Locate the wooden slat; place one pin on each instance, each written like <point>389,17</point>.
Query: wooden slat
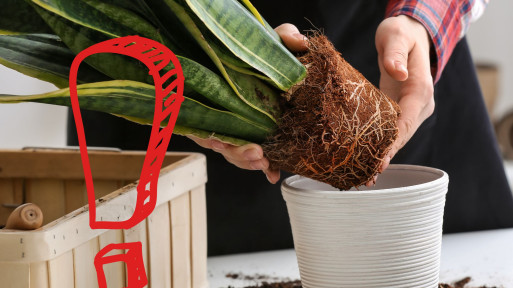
<point>105,187</point>
<point>39,275</point>
<point>66,164</point>
<point>199,237</point>
<point>11,194</point>
<point>115,273</point>
<point>49,195</point>
<point>6,197</point>
<point>60,271</point>
<point>76,194</point>
<point>127,182</point>
<point>14,275</point>
<point>159,234</point>
<point>19,190</point>
<point>138,233</point>
<point>83,257</point>
<point>181,241</point>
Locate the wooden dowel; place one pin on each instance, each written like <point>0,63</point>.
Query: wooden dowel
<point>26,217</point>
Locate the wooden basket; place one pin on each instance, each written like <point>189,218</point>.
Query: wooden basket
<point>61,253</point>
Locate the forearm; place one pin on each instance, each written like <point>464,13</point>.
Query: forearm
<point>445,20</point>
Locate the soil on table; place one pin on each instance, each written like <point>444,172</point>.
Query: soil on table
<point>462,284</point>
<point>289,284</point>
<point>297,284</point>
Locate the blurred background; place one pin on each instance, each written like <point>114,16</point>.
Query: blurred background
<point>23,125</point>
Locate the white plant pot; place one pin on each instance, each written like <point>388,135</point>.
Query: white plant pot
<point>388,235</point>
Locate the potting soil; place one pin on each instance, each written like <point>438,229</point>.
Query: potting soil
<point>297,284</point>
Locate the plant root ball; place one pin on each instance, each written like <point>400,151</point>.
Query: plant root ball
<point>336,126</point>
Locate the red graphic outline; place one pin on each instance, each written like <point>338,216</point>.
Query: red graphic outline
<point>155,56</point>
<point>136,275</point>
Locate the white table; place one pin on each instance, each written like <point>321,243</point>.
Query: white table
<point>486,256</point>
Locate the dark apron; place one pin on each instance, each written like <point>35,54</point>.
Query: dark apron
<point>246,213</point>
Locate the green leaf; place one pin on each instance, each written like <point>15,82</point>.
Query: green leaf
<point>111,20</point>
<point>256,92</point>
<point>224,54</point>
<point>18,17</point>
<point>118,18</point>
<point>45,57</point>
<point>260,19</point>
<point>197,77</point>
<point>241,32</point>
<point>78,38</point>
<point>174,29</point>
<point>216,89</point>
<point>231,78</point>
<point>135,99</point>
<point>182,130</point>
<point>138,6</point>
<point>188,131</point>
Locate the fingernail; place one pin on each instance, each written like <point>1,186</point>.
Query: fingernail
<point>400,67</point>
<point>385,164</point>
<point>299,36</point>
<point>268,179</point>
<point>216,145</point>
<point>271,180</point>
<point>252,155</point>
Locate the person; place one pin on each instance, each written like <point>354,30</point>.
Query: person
<point>415,53</point>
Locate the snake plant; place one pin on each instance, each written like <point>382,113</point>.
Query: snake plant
<point>234,64</point>
<point>335,127</point>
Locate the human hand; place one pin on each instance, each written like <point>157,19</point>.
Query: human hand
<point>251,156</point>
<point>403,56</point>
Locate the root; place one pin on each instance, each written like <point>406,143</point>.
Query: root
<point>336,126</point>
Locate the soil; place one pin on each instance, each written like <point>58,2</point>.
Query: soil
<point>297,284</point>
<point>336,126</point>
<point>462,284</point>
<point>290,284</point>
<point>259,277</point>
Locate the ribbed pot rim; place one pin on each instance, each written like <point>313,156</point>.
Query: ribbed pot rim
<point>438,178</point>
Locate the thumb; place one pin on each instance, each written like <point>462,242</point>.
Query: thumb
<point>394,52</point>
<point>291,37</point>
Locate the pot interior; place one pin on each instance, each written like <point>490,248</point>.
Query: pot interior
<point>396,176</point>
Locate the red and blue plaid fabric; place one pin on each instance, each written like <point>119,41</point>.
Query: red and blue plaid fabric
<point>445,20</point>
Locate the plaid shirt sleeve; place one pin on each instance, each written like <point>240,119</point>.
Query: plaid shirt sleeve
<point>445,20</point>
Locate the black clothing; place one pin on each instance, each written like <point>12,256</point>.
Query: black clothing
<point>246,213</point>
